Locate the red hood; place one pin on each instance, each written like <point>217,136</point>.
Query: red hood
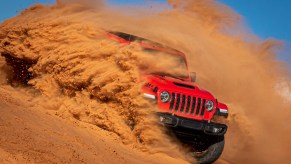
<point>178,85</point>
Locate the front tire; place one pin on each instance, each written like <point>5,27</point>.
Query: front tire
<point>211,154</point>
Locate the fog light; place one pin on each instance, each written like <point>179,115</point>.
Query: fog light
<point>166,120</point>
<point>216,130</point>
<point>211,129</point>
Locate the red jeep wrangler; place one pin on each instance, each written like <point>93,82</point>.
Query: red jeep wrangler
<point>185,109</point>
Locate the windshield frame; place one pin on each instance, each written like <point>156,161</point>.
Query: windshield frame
<point>183,57</point>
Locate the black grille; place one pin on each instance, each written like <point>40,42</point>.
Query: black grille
<point>173,97</point>
<point>187,104</point>
<point>177,102</point>
<point>203,107</point>
<point>183,103</point>
<point>193,105</point>
<point>198,106</point>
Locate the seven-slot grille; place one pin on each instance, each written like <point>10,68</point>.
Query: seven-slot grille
<point>187,104</point>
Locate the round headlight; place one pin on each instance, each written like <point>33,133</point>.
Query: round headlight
<point>165,96</point>
<point>209,105</point>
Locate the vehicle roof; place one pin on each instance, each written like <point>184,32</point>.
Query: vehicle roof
<point>145,43</point>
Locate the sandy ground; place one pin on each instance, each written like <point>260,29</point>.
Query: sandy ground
<point>31,135</point>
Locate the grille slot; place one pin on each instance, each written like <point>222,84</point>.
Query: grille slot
<point>198,106</point>
<point>193,105</point>
<point>172,101</point>
<point>177,102</point>
<point>183,103</point>
<point>203,108</point>
<point>190,105</point>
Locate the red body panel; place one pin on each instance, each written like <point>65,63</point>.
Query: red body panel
<point>187,95</point>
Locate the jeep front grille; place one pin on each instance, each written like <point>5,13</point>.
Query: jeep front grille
<point>187,104</point>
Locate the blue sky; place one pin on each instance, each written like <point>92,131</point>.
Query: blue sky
<point>265,18</point>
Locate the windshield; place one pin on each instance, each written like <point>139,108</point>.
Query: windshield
<point>165,64</point>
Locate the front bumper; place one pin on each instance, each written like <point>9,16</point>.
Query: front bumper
<point>192,125</point>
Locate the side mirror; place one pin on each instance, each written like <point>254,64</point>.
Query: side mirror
<point>193,76</point>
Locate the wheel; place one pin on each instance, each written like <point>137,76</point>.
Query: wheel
<point>209,154</point>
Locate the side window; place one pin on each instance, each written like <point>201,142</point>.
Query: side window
<point>125,36</point>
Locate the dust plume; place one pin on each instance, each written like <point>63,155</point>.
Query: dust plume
<point>81,74</point>
<point>243,74</point>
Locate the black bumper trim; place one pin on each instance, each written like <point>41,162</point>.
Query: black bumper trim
<point>203,126</point>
